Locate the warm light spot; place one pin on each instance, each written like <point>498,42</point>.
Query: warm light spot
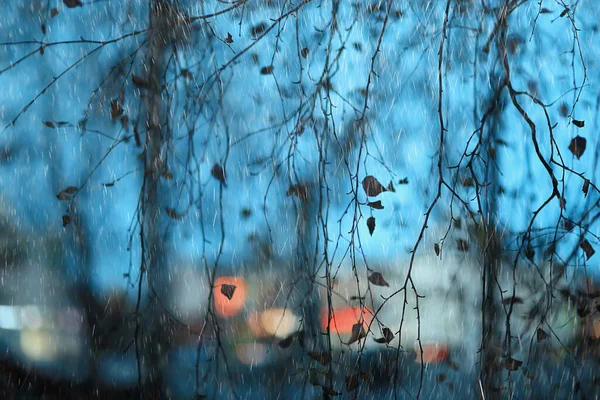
<point>433,353</point>
<point>279,322</point>
<point>251,353</point>
<point>224,306</point>
<point>38,345</point>
<point>343,318</point>
<point>255,325</point>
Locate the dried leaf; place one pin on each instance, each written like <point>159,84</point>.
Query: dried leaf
<point>436,248</point>
<point>218,173</point>
<point>564,12</point>
<point>229,38</point>
<point>43,27</point>
<point>304,52</point>
<point>586,187</point>
<point>587,248</point>
<point>541,335</point>
<point>391,187</point>
<point>511,364</point>
<point>371,225</point>
<point>512,300</point>
<point>377,279</point>
<point>579,124</point>
<point>372,187</point>
<point>544,10</point>
<point>187,74</point>
<point>268,70</point>
<point>139,82</point>
<point>403,181</point>
<point>298,190</point>
<point>258,29</point>
<point>358,332</point>
<point>529,252</point>
<point>115,109</point>
<point>67,193</point>
<point>321,357</point>
<point>53,12</point>
<point>352,382</point>
<point>66,220</point>
<point>173,214</point>
<point>375,204</point>
<point>287,342</point>
<point>228,290</point>
<point>462,245</point>
<point>49,124</point>
<point>577,146</point>
<point>73,3</point>
<point>388,336</point>
<point>467,182</point>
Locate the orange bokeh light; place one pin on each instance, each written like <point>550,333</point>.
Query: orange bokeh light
<point>433,353</point>
<point>223,306</point>
<point>344,318</point>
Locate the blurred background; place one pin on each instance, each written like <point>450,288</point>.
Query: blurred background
<point>267,199</point>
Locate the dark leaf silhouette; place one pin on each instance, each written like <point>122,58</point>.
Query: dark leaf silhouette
<point>586,187</point>
<point>54,12</point>
<point>577,146</point>
<point>115,109</point>
<point>67,193</point>
<point>139,82</point>
<point>391,187</point>
<point>372,187</point>
<point>512,300</point>
<point>173,214</point>
<point>587,248</point>
<point>304,52</point>
<point>511,364</point>
<point>529,253</point>
<point>258,29</point>
<point>66,220</point>
<point>352,382</point>
<point>375,204</point>
<point>321,357</point>
<point>229,38</point>
<point>403,181</point>
<point>228,290</point>
<point>287,342</point>
<point>218,173</point>
<point>388,336</point>
<point>541,335</point>
<point>462,245</point>
<point>377,279</point>
<point>564,12</point>
<point>579,124</point>
<point>371,225</point>
<point>49,124</point>
<point>72,3</point>
<point>358,332</point>
<point>298,190</point>
<point>467,182</point>
<point>268,70</point>
<point>436,248</point>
